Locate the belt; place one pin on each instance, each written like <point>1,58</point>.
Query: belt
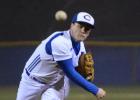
<point>35,79</point>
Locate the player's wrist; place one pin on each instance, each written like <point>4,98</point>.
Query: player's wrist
<point>97,90</point>
<point>94,90</point>
<point>100,94</point>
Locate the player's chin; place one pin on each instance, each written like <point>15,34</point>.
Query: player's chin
<point>83,38</point>
<point>80,39</point>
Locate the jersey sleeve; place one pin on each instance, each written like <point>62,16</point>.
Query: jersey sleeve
<point>61,49</point>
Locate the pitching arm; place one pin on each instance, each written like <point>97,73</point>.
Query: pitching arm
<point>70,71</point>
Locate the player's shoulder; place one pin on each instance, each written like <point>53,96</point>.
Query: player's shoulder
<point>61,37</point>
<point>62,40</point>
<point>53,36</point>
<point>57,38</point>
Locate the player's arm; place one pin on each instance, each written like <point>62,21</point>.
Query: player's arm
<point>70,71</point>
<point>62,52</point>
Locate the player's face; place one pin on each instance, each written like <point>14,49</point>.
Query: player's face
<point>80,31</point>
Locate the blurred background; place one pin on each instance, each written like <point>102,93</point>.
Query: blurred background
<point>115,42</point>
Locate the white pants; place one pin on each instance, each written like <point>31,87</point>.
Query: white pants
<point>30,89</point>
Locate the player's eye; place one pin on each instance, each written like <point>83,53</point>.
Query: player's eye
<point>86,27</point>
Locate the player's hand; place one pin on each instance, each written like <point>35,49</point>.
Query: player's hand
<point>100,94</point>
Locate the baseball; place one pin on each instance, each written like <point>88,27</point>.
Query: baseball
<point>61,15</point>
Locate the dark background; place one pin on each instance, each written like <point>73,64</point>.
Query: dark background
<point>115,20</point>
<point>34,19</point>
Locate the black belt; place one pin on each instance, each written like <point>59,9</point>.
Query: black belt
<point>35,79</point>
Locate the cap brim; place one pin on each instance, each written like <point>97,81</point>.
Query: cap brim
<point>87,24</point>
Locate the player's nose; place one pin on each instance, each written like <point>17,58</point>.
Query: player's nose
<point>83,29</point>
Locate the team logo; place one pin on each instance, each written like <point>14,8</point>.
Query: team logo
<point>87,17</point>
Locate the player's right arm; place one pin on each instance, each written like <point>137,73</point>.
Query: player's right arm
<point>62,54</point>
<point>70,71</point>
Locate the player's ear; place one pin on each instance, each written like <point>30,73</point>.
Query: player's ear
<point>71,24</point>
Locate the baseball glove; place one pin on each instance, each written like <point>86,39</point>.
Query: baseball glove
<point>86,66</point>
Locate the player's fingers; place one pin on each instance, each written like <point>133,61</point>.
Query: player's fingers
<point>101,93</point>
<point>99,98</point>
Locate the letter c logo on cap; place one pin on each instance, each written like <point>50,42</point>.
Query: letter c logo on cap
<point>87,17</point>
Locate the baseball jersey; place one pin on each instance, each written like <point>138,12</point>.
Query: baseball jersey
<point>57,47</point>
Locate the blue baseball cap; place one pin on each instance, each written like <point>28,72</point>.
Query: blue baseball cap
<point>84,17</point>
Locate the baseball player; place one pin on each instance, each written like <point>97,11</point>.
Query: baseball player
<point>47,72</point>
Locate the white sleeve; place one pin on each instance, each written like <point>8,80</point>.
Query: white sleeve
<point>61,49</point>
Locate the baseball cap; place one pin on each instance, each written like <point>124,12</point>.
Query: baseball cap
<point>84,17</point>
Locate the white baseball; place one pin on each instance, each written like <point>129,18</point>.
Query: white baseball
<point>61,15</point>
